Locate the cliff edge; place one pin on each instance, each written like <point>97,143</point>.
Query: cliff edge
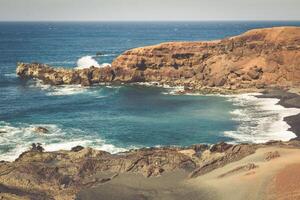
<point>255,59</point>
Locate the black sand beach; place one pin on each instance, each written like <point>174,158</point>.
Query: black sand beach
<point>288,100</point>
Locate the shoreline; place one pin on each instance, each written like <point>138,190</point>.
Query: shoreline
<point>199,170</point>
<point>247,63</point>
<point>287,100</point>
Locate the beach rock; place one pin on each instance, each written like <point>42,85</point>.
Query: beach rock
<point>220,147</point>
<point>77,148</point>
<point>99,53</point>
<point>37,147</point>
<point>252,60</point>
<point>41,129</point>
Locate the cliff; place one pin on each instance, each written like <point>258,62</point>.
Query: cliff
<point>255,59</point>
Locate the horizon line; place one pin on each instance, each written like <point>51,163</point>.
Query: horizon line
<point>212,20</point>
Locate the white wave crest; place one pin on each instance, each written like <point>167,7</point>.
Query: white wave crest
<point>178,90</point>
<point>66,90</point>
<point>89,61</point>
<point>261,119</point>
<point>11,75</point>
<point>14,140</point>
<point>95,143</point>
<point>60,90</point>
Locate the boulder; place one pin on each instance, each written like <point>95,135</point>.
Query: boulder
<point>77,148</point>
<point>41,129</point>
<point>37,147</point>
<point>220,147</point>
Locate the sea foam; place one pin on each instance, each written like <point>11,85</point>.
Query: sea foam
<point>169,90</point>
<point>260,119</point>
<point>89,61</point>
<point>61,90</point>
<point>15,139</point>
<point>66,90</point>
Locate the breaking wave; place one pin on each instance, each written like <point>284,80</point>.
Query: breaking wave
<point>89,61</point>
<point>15,139</point>
<point>66,90</point>
<point>169,90</point>
<point>260,119</point>
<point>61,90</point>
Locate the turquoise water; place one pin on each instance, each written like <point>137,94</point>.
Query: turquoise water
<point>112,118</point>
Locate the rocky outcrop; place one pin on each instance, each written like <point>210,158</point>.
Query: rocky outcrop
<point>60,76</point>
<point>60,175</point>
<point>41,130</point>
<point>255,59</point>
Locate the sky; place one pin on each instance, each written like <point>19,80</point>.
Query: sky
<point>148,10</point>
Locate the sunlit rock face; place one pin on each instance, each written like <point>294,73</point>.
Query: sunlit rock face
<point>255,59</point>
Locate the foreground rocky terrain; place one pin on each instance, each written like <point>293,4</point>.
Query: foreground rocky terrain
<point>255,59</point>
<point>62,174</point>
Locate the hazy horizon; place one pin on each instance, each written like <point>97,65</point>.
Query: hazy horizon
<point>155,10</point>
<point>245,20</point>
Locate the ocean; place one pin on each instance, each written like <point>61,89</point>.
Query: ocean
<point>120,117</point>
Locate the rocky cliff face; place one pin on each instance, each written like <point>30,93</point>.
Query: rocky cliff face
<point>255,59</point>
<point>60,76</point>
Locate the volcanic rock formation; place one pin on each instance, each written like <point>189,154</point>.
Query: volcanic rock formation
<point>255,59</point>
<point>61,174</point>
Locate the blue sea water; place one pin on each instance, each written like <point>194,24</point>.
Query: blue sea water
<point>116,118</point>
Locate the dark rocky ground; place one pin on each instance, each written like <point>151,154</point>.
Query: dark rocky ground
<point>72,174</point>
